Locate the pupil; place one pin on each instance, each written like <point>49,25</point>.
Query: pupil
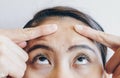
<point>81,58</point>
<point>42,58</point>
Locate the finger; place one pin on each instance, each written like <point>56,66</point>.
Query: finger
<point>116,73</point>
<point>116,76</point>
<point>12,56</point>
<point>8,47</point>
<point>20,35</point>
<point>22,44</point>
<point>114,62</point>
<point>14,71</point>
<point>102,37</point>
<point>3,75</point>
<point>3,71</point>
<point>12,66</point>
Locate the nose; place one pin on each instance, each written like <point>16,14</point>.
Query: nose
<point>61,74</point>
<point>62,71</point>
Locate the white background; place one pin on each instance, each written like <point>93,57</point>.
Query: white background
<point>16,13</point>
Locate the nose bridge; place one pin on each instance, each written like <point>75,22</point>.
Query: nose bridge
<point>62,71</point>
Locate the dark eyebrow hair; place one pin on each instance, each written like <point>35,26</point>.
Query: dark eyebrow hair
<point>83,46</point>
<point>42,46</point>
<point>39,46</point>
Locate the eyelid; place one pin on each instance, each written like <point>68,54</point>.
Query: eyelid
<point>83,54</point>
<point>36,57</point>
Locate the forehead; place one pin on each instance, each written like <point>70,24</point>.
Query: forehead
<point>65,35</point>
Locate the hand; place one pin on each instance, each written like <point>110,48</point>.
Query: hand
<point>19,36</point>
<point>111,41</point>
<point>12,57</point>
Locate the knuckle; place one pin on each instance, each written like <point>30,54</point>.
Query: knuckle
<point>118,50</point>
<point>117,72</point>
<point>24,33</point>
<point>102,37</point>
<point>28,33</point>
<point>108,68</point>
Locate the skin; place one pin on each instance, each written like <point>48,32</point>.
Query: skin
<point>22,35</point>
<point>13,56</point>
<point>61,52</point>
<point>111,41</point>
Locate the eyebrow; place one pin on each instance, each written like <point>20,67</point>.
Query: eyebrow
<point>83,46</point>
<point>74,47</point>
<point>38,46</point>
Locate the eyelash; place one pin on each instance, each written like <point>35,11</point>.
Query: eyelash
<point>39,55</point>
<point>83,55</point>
<point>76,58</point>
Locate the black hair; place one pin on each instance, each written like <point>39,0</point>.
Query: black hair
<point>62,11</point>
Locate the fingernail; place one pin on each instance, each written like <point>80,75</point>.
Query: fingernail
<point>22,44</point>
<point>78,27</point>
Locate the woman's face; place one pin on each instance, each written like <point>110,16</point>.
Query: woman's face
<point>63,54</point>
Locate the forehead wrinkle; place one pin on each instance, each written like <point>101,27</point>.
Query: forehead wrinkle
<point>65,28</point>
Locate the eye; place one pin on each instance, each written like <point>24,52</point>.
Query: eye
<point>41,59</point>
<point>82,59</point>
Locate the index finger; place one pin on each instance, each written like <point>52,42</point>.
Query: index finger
<point>21,35</point>
<point>108,40</point>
